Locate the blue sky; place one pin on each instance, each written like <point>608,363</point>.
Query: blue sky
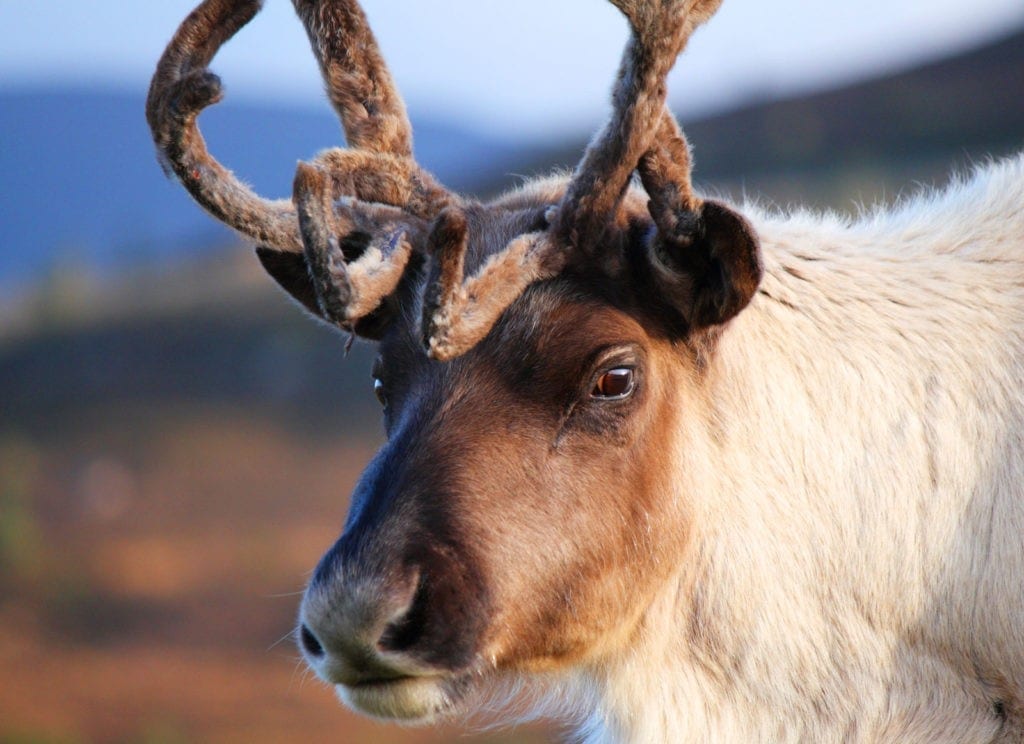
<point>529,68</point>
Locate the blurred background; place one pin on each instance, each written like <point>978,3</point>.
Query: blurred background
<point>177,442</point>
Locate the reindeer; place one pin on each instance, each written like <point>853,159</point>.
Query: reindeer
<point>673,469</point>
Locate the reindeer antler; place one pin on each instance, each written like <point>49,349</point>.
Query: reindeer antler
<point>377,171</point>
<point>459,313</point>
<point>661,29</point>
<point>380,166</point>
<point>358,215</point>
<point>181,88</point>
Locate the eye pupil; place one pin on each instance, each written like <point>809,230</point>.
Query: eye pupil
<point>378,390</point>
<point>615,383</point>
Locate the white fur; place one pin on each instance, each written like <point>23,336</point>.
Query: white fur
<point>855,466</point>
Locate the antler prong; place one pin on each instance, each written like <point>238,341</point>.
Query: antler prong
<point>459,312</point>
<point>665,174</point>
<point>660,30</point>
<point>182,87</point>
<point>357,79</point>
<point>346,291</point>
<point>384,178</point>
<point>379,165</point>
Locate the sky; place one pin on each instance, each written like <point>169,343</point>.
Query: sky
<point>527,69</point>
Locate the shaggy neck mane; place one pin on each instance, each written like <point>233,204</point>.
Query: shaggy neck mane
<point>762,635</point>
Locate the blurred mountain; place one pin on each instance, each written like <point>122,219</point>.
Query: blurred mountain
<point>862,142</point>
<point>190,335</point>
<point>81,184</point>
<point>973,102</point>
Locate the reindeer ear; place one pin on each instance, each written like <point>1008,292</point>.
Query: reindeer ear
<point>709,266</point>
<point>291,272</point>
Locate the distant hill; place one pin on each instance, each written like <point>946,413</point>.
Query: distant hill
<point>866,140</point>
<point>80,181</point>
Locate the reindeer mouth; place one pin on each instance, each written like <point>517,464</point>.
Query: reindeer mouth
<point>409,699</point>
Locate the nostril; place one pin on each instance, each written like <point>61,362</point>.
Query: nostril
<point>403,631</point>
<point>309,642</point>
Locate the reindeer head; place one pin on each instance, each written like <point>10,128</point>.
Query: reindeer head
<point>539,359</point>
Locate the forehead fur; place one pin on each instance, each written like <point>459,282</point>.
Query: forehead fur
<point>542,192</point>
<point>556,323</point>
<point>492,226</point>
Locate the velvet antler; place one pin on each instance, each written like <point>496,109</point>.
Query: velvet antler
<point>458,312</point>
<point>359,214</point>
<point>661,29</point>
<point>368,203</point>
<point>181,88</point>
<point>378,167</point>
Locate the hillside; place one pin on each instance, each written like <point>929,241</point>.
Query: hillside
<point>865,141</point>
<point>81,183</point>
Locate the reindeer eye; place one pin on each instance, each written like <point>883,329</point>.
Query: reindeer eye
<point>378,390</point>
<point>615,383</point>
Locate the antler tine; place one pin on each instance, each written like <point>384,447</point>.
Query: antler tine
<point>660,30</point>
<point>386,179</point>
<point>357,79</point>
<point>182,87</point>
<point>665,173</point>
<point>380,166</point>
<point>459,312</point>
<point>348,291</point>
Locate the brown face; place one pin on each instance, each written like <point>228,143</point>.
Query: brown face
<point>519,513</point>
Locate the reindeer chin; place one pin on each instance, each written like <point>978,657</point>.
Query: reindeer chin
<point>409,700</point>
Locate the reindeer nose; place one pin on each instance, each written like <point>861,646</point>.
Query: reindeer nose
<point>348,633</point>
<point>373,613</point>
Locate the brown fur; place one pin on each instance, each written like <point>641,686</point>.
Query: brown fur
<point>587,599</point>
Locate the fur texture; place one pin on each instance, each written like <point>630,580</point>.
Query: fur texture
<point>855,462</point>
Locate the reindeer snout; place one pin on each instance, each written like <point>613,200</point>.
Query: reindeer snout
<point>367,621</point>
<point>347,627</point>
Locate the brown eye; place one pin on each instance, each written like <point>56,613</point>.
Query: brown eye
<point>615,383</point>
<point>378,390</point>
